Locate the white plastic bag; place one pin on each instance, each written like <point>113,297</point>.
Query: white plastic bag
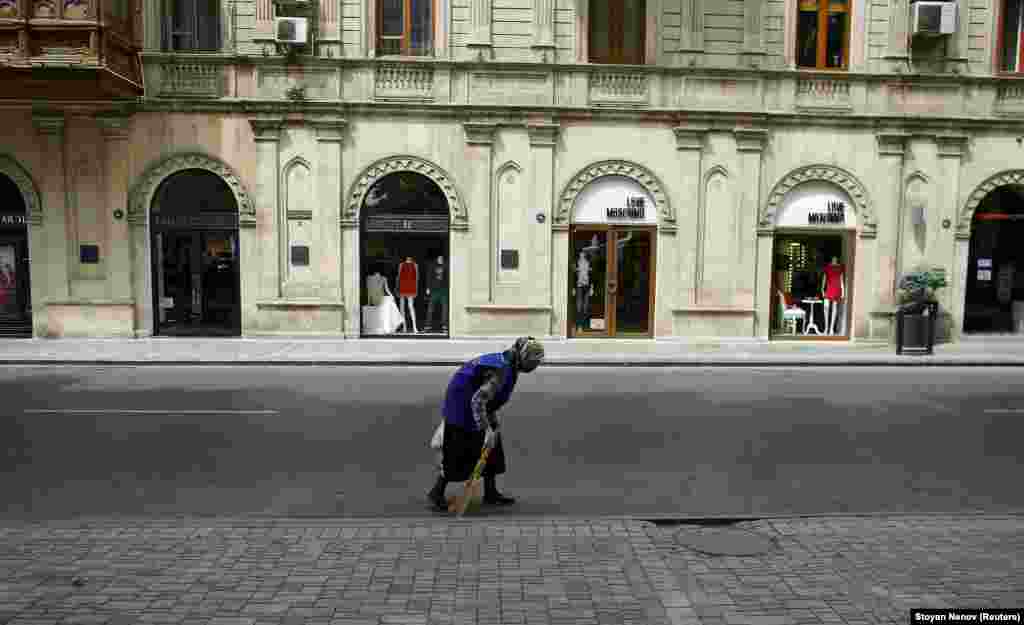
<point>437,441</point>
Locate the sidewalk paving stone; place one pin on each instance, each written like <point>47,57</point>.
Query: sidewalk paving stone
<point>827,570</point>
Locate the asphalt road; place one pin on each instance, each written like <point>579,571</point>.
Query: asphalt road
<point>337,441</point>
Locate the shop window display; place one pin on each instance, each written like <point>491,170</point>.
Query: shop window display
<point>405,258</point>
<point>810,286</point>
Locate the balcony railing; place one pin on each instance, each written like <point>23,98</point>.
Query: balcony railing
<point>87,36</point>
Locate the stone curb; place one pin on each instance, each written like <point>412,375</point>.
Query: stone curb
<point>908,361</point>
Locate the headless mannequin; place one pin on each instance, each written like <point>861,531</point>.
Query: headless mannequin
<point>408,288</point>
<point>437,291</point>
<point>583,290</point>
<point>833,296</point>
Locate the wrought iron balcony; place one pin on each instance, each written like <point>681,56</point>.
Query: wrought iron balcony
<point>70,49</point>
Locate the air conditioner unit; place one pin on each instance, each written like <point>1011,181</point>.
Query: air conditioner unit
<point>934,18</point>
<point>293,30</point>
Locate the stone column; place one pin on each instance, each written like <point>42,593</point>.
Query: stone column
<point>480,40</point>
<point>116,132</point>
<point>260,254</point>
<point>153,25</point>
<point>690,145</point>
<point>49,246</point>
<point>543,137</point>
<point>951,149</point>
<point>482,254</point>
<point>330,136</point>
<point>960,40</point>
<point>544,30</point>
<point>264,31</point>
<point>892,148</point>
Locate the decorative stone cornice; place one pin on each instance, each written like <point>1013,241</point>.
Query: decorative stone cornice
<point>750,139</point>
<point>892,143</point>
<point>543,135</point>
<point>826,173</point>
<point>952,145</point>
<point>140,197</point>
<point>49,123</point>
<point>115,127</point>
<point>330,129</point>
<point>479,134</point>
<point>266,128</point>
<point>690,137</point>
<point>29,192</point>
<point>1012,176</point>
<point>383,167</point>
<point>639,173</point>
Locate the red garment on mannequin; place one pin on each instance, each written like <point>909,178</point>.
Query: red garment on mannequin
<point>408,279</point>
<point>834,282</point>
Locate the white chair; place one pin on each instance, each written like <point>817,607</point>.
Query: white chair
<point>791,314</point>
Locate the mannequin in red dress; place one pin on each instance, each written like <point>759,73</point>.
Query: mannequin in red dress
<point>408,280</point>
<point>833,288</point>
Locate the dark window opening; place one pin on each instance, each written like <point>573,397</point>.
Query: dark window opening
<point>617,31</point>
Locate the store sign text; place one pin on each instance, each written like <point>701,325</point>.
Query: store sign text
<point>12,220</point>
<point>634,209</point>
<point>835,213</point>
<point>196,221</point>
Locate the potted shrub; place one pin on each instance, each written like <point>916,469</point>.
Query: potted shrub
<point>915,325</point>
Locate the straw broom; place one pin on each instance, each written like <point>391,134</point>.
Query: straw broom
<point>473,497</point>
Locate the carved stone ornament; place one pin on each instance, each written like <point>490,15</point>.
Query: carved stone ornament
<point>29,193</point>
<point>827,173</point>
<point>393,164</point>
<point>1013,176</point>
<point>615,168</point>
<point>141,194</point>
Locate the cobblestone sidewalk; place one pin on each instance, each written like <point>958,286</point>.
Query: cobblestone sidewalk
<point>515,572</point>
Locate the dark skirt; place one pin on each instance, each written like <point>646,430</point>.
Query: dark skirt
<point>461,452</point>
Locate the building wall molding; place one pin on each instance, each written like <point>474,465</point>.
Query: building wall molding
<point>142,193</point>
<point>628,169</point>
<point>868,221</point>
<point>1011,176</point>
<point>392,164</point>
<point>10,167</point>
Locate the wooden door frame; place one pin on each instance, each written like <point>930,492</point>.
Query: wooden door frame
<point>611,237</point>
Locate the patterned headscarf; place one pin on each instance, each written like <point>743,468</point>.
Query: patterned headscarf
<point>529,353</point>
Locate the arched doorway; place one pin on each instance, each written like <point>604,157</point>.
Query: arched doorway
<point>813,257</point>
<point>994,294</point>
<point>612,259</point>
<point>195,256</point>
<point>405,221</point>
<point>15,291</point>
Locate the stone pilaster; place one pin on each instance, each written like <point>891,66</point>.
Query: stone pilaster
<point>116,132</point>
<point>691,34</point>
<point>482,249</point>
<point>330,136</point>
<point>753,280</point>
<point>897,48</point>
<point>951,151</point>
<point>260,247</point>
<point>544,30</point>
<point>690,142</point>
<point>753,41</point>
<point>48,239</point>
<point>264,30</point>
<point>329,42</point>
<point>960,40</point>
<point>543,139</point>
<point>892,150</point>
<point>480,40</point>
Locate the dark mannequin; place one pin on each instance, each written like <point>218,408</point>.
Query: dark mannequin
<point>437,291</point>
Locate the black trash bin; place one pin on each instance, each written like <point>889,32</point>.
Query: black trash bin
<point>915,328</point>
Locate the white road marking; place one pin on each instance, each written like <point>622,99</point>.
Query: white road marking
<point>143,411</point>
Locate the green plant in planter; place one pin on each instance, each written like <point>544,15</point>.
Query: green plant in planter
<point>917,288</point>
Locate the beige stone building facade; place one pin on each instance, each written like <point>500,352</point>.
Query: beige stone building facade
<point>562,168</point>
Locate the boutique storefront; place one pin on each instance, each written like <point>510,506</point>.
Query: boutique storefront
<point>815,246</point>
<point>15,291</point>
<point>612,260</point>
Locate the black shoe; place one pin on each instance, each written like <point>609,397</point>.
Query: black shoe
<point>437,501</point>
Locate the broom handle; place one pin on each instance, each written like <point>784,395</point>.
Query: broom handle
<point>480,464</point>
